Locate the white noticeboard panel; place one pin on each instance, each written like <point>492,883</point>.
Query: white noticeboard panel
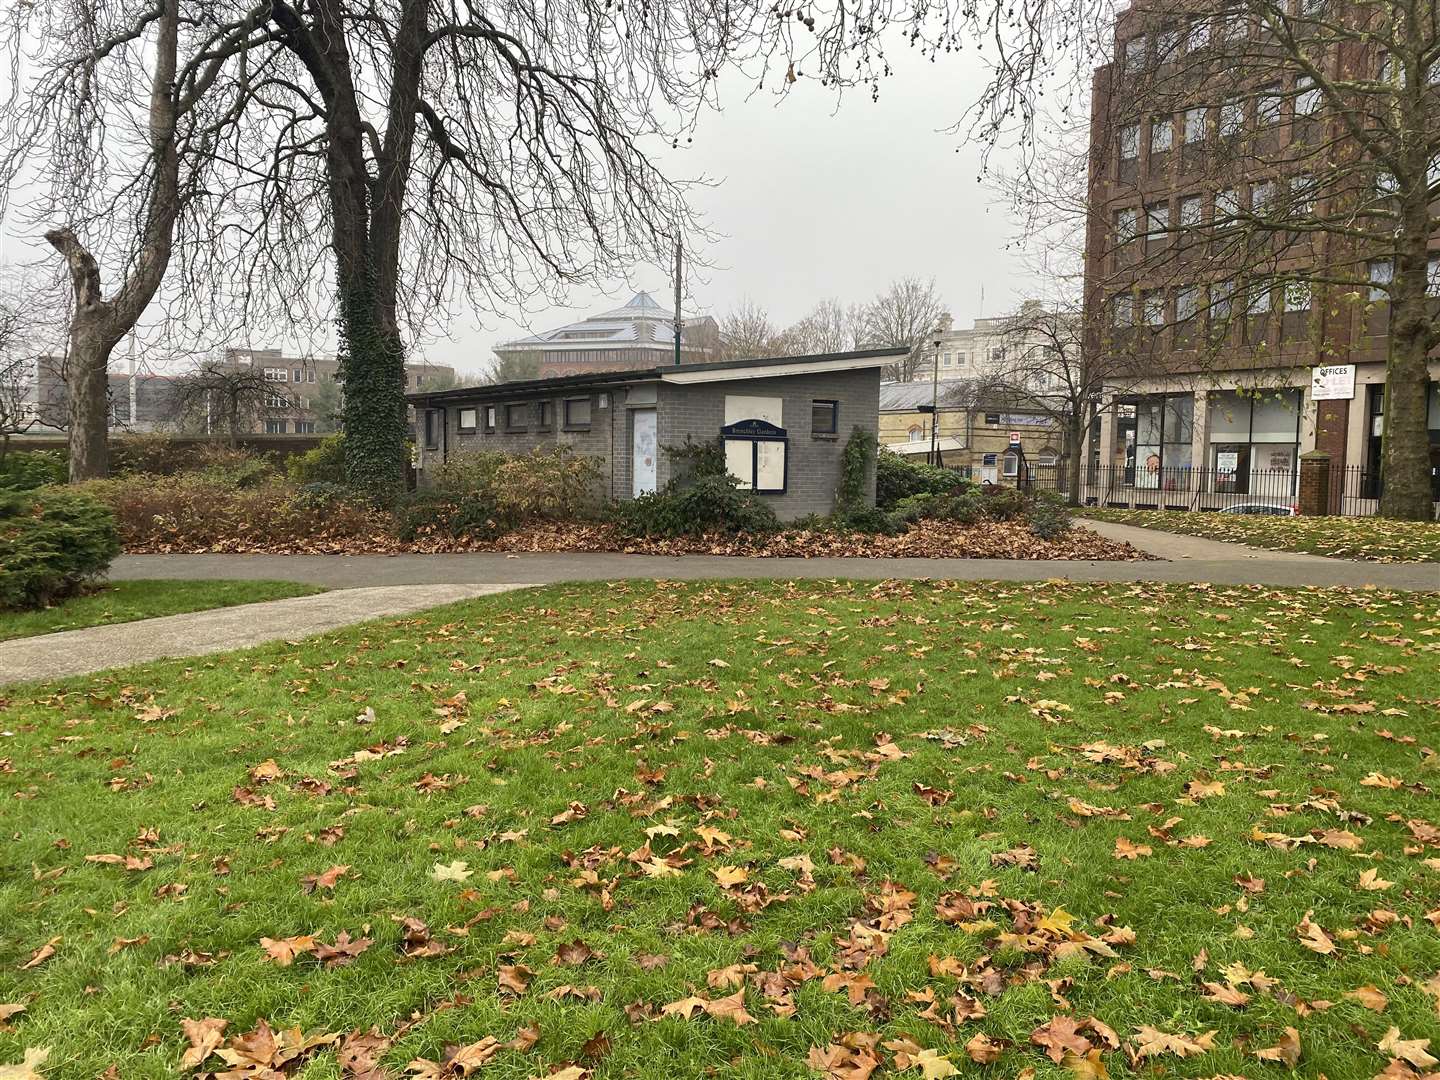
<point>1333,383</point>
<point>770,466</point>
<point>739,461</point>
<point>1227,461</point>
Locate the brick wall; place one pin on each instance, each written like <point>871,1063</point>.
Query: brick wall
<point>697,410</point>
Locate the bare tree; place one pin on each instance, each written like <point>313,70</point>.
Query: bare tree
<point>907,313</point>
<point>219,396</point>
<point>746,332</point>
<point>105,124</point>
<point>514,366</point>
<point>828,327</point>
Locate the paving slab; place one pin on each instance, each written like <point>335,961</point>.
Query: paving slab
<point>198,633</point>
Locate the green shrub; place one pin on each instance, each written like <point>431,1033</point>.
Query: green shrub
<point>711,504</point>
<point>852,493</point>
<point>871,519</point>
<point>897,478</point>
<point>53,543</point>
<point>25,470</point>
<point>696,460</point>
<point>1003,503</point>
<point>323,465</point>
<point>441,515</point>
<point>548,485</point>
<point>1049,516</point>
<point>322,496</point>
<point>150,452</point>
<point>465,472</point>
<point>233,466</point>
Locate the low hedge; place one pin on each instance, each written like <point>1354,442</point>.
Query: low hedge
<point>53,543</point>
<point>898,478</point>
<point>25,470</point>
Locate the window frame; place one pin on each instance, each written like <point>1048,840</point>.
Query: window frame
<point>488,415</point>
<point>833,405</point>
<point>1202,112</point>
<point>1162,134</point>
<point>513,409</point>
<point>571,424</point>
<point>430,429</point>
<point>463,428</point>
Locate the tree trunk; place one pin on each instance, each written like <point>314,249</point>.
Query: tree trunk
<point>1075,436</point>
<point>372,375</point>
<point>1405,450</point>
<point>88,377</point>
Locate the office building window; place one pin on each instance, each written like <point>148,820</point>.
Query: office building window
<point>577,412</point>
<point>825,416</point>
<point>1130,142</point>
<point>1192,210</point>
<point>276,375</point>
<point>1126,225</point>
<point>1195,124</point>
<point>1152,308</point>
<point>1232,118</point>
<point>1297,295</point>
<point>1432,276</point>
<point>1187,302</point>
<point>298,375</point>
<point>1268,106</point>
<point>1262,197</point>
<point>275,427</point>
<point>1307,96</point>
<point>1162,134</point>
<point>1135,54</point>
<point>1157,219</point>
<point>1167,41</point>
<point>1227,204</point>
<point>1222,300</point>
<point>1122,309</point>
<point>1199,35</point>
<point>304,427</point>
<point>1259,298</point>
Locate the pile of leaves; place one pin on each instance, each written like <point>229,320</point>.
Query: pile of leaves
<point>813,830</point>
<point>1374,539</point>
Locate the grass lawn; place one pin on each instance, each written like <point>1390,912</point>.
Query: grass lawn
<point>743,830</point>
<point>126,601</point>
<point>1375,539</point>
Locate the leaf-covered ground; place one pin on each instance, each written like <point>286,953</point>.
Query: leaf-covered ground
<point>126,601</point>
<point>743,830</point>
<point>1372,538</point>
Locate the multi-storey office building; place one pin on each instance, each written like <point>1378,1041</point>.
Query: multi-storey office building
<point>1230,258</point>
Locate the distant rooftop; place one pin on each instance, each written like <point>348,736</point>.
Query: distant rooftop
<point>638,323</point>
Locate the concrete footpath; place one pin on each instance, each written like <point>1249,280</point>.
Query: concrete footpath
<point>197,633</point>
<point>1185,559</point>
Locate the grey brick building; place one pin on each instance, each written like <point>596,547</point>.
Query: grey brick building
<point>784,421</point>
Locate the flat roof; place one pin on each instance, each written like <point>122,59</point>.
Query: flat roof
<point>716,371</point>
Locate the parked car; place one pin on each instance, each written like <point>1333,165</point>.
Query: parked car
<point>1272,509</point>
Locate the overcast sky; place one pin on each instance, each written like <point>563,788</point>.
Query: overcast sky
<point>812,200</point>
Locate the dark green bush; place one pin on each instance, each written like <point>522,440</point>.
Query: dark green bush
<point>322,495</point>
<point>449,516</point>
<point>871,519</point>
<point>897,478</point>
<point>695,460</point>
<point>323,465</point>
<point>25,470</point>
<point>851,493</point>
<point>711,504</point>
<point>1003,503</point>
<point>1049,516</point>
<point>53,543</point>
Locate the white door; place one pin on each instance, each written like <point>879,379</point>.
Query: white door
<point>643,450</point>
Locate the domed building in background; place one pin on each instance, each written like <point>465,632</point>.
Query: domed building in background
<point>640,334</point>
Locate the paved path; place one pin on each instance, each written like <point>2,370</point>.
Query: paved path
<point>1187,558</point>
<point>196,633</point>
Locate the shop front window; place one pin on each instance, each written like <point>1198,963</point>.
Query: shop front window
<point>1255,442</point>
<point>1163,431</point>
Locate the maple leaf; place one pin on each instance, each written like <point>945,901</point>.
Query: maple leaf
<point>1225,995</point>
<point>573,953</point>
<point>727,877</point>
<point>1370,997</point>
<point>1151,1042</point>
<point>29,1067</point>
<point>327,880</point>
<point>1411,1051</point>
<point>40,955</point>
<point>459,870</point>
<point>283,951</point>
<point>1286,1051</point>
<point>1371,881</point>
<point>359,1055</point>
<point>684,1008</point>
<point>984,1050</point>
<point>1090,1067</point>
<point>515,978</point>
<point>730,1008</point>
<point>1313,936</point>
<point>1125,848</point>
<point>1059,1036</point>
<point>933,1065</point>
<point>839,1062</point>
<point>343,951</point>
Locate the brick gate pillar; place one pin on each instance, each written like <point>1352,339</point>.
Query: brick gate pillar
<point>1315,483</point>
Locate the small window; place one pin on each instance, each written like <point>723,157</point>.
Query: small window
<point>1267,107</point>
<point>1157,219</point>
<point>1130,142</point>
<point>992,418</point>
<point>1222,296</point>
<point>1012,465</point>
<point>275,374</point>
<point>1232,118</point>
<point>1260,298</point>
<point>275,427</point>
<point>1227,204</point>
<point>1152,308</point>
<point>432,427</point>
<point>467,420</point>
<point>1162,134</point>
<point>304,427</point>
<point>310,375</point>
<point>1262,197</point>
<point>1166,43</point>
<point>1432,276</point>
<point>577,412</point>
<point>1297,296</point>
<point>916,434</point>
<point>298,375</point>
<point>1307,96</point>
<point>1127,223</point>
<point>1192,210</point>
<point>1302,196</point>
<point>544,414</point>
<point>825,415</point>
<point>1123,310</point>
<point>1195,125</point>
<point>517,417</point>
<point>1135,54</point>
<point>1199,35</point>
<point>1187,302</point>
<point>1382,273</point>
<point>490,417</point>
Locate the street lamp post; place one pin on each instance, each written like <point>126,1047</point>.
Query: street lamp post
<point>934,407</point>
